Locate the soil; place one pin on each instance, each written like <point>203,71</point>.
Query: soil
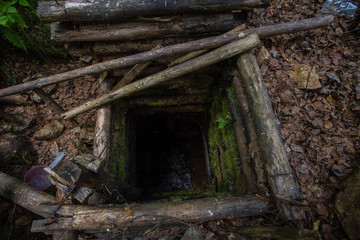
<point>320,127</point>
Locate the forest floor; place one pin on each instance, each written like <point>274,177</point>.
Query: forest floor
<point>320,127</point>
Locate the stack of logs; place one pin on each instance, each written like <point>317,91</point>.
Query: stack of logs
<point>109,27</point>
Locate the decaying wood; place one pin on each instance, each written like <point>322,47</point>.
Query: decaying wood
<point>202,61</point>
<point>149,214</point>
<point>24,195</point>
<point>187,24</point>
<point>249,130</point>
<point>133,73</point>
<point>111,10</point>
<point>241,140</point>
<point>173,100</point>
<point>281,233</point>
<point>90,162</point>
<point>48,100</point>
<point>183,48</point>
<point>65,235</point>
<point>83,193</point>
<point>15,99</point>
<point>280,177</point>
<point>103,126</point>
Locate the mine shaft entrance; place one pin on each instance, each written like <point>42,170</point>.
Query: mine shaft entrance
<point>171,152</point>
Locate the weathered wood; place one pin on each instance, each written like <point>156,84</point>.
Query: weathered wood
<point>202,61</point>
<point>148,214</point>
<point>111,10</point>
<point>83,193</point>
<point>48,100</point>
<point>188,24</point>
<point>280,177</point>
<point>15,99</point>
<point>103,126</point>
<point>133,73</point>
<point>282,233</point>
<point>90,162</point>
<point>24,195</point>
<point>124,62</point>
<point>249,130</point>
<point>65,235</point>
<point>241,141</point>
<point>177,100</point>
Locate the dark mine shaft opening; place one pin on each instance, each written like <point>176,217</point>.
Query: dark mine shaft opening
<point>171,153</point>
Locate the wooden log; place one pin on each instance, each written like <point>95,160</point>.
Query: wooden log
<point>15,99</point>
<point>124,62</point>
<point>158,101</point>
<point>111,10</point>
<point>184,48</point>
<point>149,214</point>
<point>241,140</point>
<point>280,177</point>
<point>249,130</point>
<point>24,195</point>
<point>90,162</point>
<point>189,24</point>
<point>205,60</point>
<point>282,233</point>
<point>103,126</point>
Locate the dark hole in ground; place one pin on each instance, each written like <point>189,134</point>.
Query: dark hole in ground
<point>170,153</point>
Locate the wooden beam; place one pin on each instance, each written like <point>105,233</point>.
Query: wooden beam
<point>81,217</point>
<point>24,195</point>
<point>280,177</point>
<point>202,61</point>
<point>112,10</point>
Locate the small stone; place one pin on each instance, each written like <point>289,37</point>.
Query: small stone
<point>333,76</point>
<point>305,76</point>
<point>86,59</point>
<point>50,131</point>
<point>263,56</point>
<point>87,135</point>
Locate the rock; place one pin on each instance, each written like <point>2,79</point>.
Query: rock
<point>347,205</point>
<point>50,131</point>
<point>16,127</point>
<point>14,150</point>
<point>87,135</point>
<point>304,78</point>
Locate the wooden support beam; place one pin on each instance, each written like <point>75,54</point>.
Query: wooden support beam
<point>112,10</point>
<point>280,177</point>
<point>202,61</point>
<point>24,195</point>
<point>128,31</point>
<point>182,48</point>
<point>103,125</point>
<point>81,217</point>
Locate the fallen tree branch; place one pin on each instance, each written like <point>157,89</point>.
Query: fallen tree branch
<point>24,195</point>
<point>205,60</point>
<point>82,217</point>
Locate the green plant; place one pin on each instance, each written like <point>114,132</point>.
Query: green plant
<point>223,121</point>
<point>10,20</point>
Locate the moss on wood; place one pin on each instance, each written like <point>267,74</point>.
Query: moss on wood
<point>224,156</point>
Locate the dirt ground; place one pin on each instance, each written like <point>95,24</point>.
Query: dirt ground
<point>320,127</point>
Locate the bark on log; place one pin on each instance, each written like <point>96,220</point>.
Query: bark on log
<point>15,99</point>
<point>124,62</point>
<point>24,195</point>
<point>241,140</point>
<point>189,24</point>
<point>103,126</point>
<point>281,233</point>
<point>133,73</point>
<point>112,10</point>
<point>205,60</point>
<point>150,214</point>
<point>279,173</point>
<point>249,127</point>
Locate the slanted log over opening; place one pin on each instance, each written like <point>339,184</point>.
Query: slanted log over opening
<point>110,10</point>
<point>149,214</point>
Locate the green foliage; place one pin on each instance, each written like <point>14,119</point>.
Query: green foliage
<point>224,121</point>
<point>10,19</point>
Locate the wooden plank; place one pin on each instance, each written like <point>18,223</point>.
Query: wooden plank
<point>111,10</point>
